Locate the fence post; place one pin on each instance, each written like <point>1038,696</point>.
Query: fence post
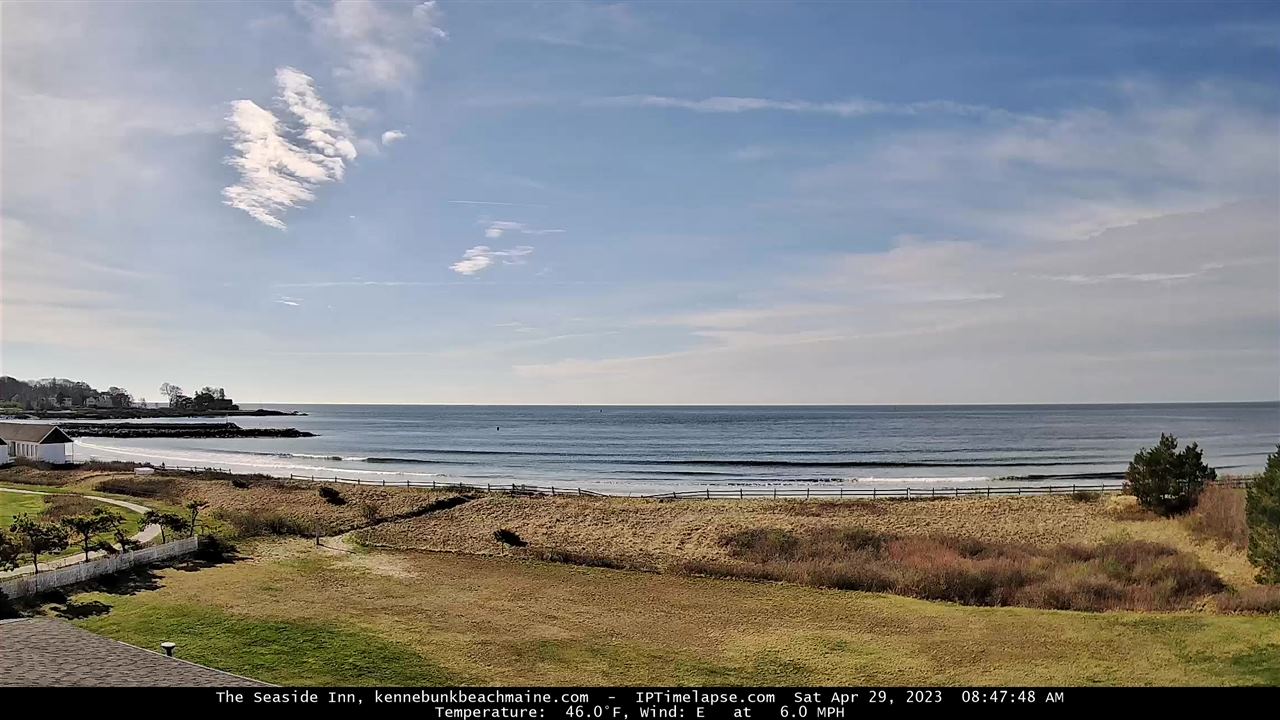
<point>933,492</point>
<point>841,491</point>
<point>908,493</point>
<point>873,493</point>
<point>708,493</point>
<point>775,492</point>
<point>806,493</point>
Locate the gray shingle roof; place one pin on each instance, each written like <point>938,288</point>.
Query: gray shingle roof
<point>47,652</point>
<point>33,432</point>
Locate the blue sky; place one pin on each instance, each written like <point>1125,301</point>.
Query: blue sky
<point>645,202</point>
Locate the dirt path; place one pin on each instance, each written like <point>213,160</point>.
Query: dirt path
<point>147,534</point>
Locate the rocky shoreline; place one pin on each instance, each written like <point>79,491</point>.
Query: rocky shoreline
<point>178,430</point>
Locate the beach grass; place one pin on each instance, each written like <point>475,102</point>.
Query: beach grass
<point>298,614</point>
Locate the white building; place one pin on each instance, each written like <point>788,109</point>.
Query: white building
<point>4,453</point>
<point>36,441</point>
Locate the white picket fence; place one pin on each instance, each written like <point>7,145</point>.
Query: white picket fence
<point>33,583</point>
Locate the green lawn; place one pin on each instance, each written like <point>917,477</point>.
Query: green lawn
<point>296,614</point>
<point>14,504</point>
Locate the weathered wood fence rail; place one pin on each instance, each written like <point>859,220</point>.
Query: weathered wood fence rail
<point>994,489</point>
<point>742,493</point>
<point>32,583</point>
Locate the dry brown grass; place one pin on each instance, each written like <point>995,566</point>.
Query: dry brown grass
<point>1220,516</point>
<point>489,620</point>
<point>249,504</point>
<point>669,532</point>
<point>1129,575</point>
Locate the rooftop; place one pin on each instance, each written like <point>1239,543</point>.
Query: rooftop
<point>49,652</point>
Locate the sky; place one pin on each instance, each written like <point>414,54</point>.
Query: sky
<point>644,203</point>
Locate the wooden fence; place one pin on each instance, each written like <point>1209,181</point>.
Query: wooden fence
<point>992,489</point>
<point>32,583</point>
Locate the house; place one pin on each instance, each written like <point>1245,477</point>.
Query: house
<point>36,441</point>
<point>4,453</point>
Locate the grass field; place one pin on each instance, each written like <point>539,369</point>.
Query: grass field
<point>49,507</point>
<point>15,504</point>
<point>299,614</point>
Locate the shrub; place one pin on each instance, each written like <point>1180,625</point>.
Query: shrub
<point>370,511</point>
<point>1220,516</point>
<point>331,495</point>
<point>1166,481</point>
<point>508,537</point>
<point>1260,599</point>
<point>215,548</point>
<point>251,523</point>
<point>585,559</point>
<point>1086,496</point>
<point>1263,514</point>
<point>240,483</point>
<point>144,486</point>
<point>1131,575</point>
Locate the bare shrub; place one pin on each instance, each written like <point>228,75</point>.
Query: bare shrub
<point>143,486</point>
<point>370,510</point>
<point>1259,599</point>
<point>1086,496</point>
<point>1116,575</point>
<point>251,523</point>
<point>1220,516</point>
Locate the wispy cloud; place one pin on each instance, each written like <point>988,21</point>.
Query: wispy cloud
<point>497,228</point>
<point>494,202</point>
<point>851,108</point>
<point>280,164</point>
<point>391,136</point>
<point>377,44</point>
<point>481,257</point>
<point>291,302</point>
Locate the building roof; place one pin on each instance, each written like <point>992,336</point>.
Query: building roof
<point>44,652</point>
<point>33,432</point>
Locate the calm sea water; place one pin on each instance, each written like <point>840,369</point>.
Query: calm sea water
<point>667,448</point>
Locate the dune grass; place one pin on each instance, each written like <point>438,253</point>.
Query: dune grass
<point>300,614</point>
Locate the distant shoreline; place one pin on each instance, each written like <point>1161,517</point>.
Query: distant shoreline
<point>143,413</point>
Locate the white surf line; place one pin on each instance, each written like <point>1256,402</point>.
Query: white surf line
<point>143,453</point>
<point>147,534</point>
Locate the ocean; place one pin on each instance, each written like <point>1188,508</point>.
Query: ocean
<point>662,449</point>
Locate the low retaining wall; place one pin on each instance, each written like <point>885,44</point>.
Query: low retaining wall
<point>33,583</point>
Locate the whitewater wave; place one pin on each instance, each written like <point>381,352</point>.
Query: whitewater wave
<point>200,460</point>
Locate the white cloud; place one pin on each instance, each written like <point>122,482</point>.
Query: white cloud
<point>481,257</point>
<point>291,302</point>
<point>326,135</point>
<point>855,107</point>
<point>1179,307</point>
<point>281,164</point>
<point>497,228</point>
<point>391,136</point>
<point>377,44</point>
